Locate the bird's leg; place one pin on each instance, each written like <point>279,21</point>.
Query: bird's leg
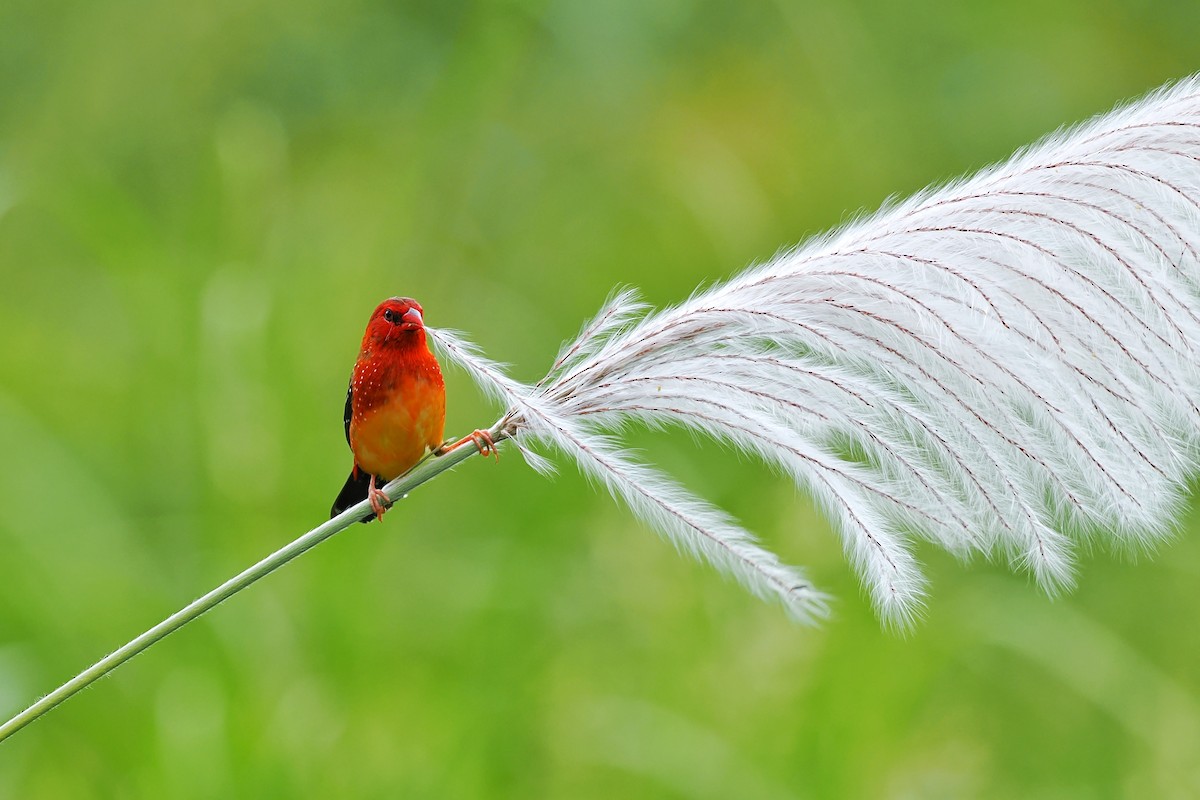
<point>482,440</point>
<point>380,502</point>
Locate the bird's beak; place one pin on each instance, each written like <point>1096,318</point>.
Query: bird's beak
<point>412,319</point>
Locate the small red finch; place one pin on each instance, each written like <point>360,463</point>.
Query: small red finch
<point>395,406</point>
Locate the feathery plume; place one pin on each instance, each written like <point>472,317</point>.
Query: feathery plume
<point>1002,365</point>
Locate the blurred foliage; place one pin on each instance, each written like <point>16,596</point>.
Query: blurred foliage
<point>200,203</point>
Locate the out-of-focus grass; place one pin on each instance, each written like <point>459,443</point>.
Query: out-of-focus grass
<point>201,202</point>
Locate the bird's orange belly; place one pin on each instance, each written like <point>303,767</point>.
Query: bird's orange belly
<point>390,438</point>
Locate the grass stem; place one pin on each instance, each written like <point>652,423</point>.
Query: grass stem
<point>425,471</point>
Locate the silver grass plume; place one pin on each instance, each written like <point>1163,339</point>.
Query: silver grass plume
<point>1004,365</point>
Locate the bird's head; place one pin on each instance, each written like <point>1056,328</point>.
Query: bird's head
<point>397,320</point>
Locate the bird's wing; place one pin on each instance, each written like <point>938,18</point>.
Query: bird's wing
<point>349,409</point>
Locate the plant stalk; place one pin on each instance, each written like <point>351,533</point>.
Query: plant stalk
<point>425,471</point>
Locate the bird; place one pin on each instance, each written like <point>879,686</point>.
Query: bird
<point>395,410</point>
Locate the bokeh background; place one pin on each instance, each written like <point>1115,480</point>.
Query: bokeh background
<point>200,204</point>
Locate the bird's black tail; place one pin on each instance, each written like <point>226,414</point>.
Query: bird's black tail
<point>355,491</point>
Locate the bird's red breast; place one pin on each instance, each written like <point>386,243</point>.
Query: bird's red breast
<point>397,402</point>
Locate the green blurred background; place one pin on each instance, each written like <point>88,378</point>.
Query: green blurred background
<point>200,204</point>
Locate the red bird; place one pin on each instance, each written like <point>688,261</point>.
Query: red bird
<point>395,406</point>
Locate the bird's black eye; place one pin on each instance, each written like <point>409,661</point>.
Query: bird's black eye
<point>390,316</point>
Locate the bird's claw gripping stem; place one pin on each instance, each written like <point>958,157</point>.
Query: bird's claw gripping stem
<point>380,502</point>
<point>482,440</point>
